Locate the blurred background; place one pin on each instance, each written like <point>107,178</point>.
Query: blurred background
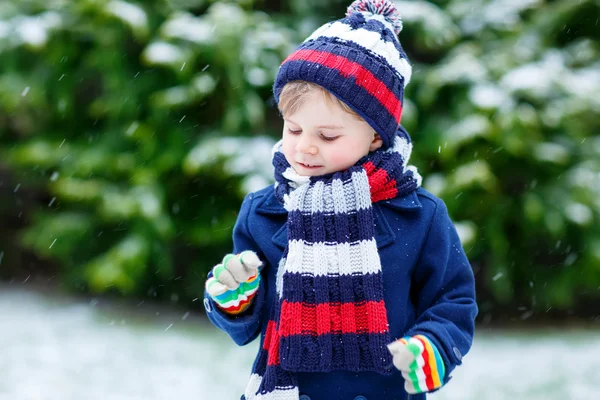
<point>131,130</point>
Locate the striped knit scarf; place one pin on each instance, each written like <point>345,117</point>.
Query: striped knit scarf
<point>329,312</point>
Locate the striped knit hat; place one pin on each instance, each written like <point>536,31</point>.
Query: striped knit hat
<point>359,60</point>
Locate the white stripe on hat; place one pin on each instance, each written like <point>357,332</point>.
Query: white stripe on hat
<point>369,15</point>
<point>371,41</point>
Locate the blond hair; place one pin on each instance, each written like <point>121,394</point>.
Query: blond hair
<point>294,93</point>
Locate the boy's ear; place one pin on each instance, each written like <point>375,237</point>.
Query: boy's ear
<point>376,143</point>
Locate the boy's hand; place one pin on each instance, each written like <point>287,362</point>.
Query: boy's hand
<point>420,363</point>
<point>235,281</point>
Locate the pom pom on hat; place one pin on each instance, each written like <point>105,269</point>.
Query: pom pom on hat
<point>385,8</point>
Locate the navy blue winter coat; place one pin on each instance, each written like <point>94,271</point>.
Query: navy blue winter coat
<point>427,281</point>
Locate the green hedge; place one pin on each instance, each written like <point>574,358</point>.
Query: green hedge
<point>122,112</point>
<point>147,122</point>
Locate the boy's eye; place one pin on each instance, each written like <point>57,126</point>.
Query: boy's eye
<point>329,138</point>
<point>293,132</point>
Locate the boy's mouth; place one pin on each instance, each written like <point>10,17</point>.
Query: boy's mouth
<point>309,166</point>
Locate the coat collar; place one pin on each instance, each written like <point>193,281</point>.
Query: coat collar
<point>410,202</point>
<point>384,234</point>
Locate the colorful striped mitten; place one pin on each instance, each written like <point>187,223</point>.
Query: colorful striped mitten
<point>420,363</point>
<point>234,282</point>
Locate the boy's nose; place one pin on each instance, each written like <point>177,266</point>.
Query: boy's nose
<point>305,145</point>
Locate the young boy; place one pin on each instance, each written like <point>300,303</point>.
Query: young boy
<point>352,275</point>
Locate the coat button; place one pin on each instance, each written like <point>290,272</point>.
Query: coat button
<point>304,397</point>
<point>457,353</point>
<point>207,305</point>
<point>360,398</point>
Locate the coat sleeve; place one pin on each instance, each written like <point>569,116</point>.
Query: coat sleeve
<point>443,291</point>
<point>244,327</point>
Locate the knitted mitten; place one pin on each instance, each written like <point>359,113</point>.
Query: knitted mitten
<point>234,282</point>
<point>420,363</point>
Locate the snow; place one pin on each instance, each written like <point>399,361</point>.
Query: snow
<point>584,82</point>
<point>131,247</point>
<point>174,96</point>
<point>269,37</point>
<point>463,66</point>
<point>551,152</point>
<point>488,96</point>
<point>163,53</point>
<point>204,83</point>
<point>435,183</point>
<point>468,128</point>
<point>132,128</point>
<point>148,202</point>
<point>241,156</point>
<point>543,77</point>
<point>585,177</point>
<point>32,32</point>
<point>5,29</point>
<point>467,232</point>
<point>527,45</point>
<point>532,77</point>
<point>499,14</point>
<point>254,183</point>
<point>579,213</point>
<point>55,347</point>
<point>228,17</point>
<point>188,27</point>
<point>471,173</point>
<point>497,276</point>
<point>131,14</point>
<point>257,76</point>
<point>426,13</point>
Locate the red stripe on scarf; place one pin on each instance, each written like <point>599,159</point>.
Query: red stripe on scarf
<point>363,77</point>
<point>271,343</point>
<point>382,187</point>
<point>331,318</point>
<point>426,366</point>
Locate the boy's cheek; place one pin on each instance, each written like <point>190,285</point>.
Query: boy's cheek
<point>288,149</point>
<point>341,159</point>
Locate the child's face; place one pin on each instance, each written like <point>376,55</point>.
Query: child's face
<point>320,137</point>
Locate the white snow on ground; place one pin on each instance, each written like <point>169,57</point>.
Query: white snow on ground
<point>60,348</point>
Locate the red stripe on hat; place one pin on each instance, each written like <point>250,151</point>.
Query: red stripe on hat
<point>382,187</point>
<point>426,366</point>
<point>327,318</point>
<point>363,77</point>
